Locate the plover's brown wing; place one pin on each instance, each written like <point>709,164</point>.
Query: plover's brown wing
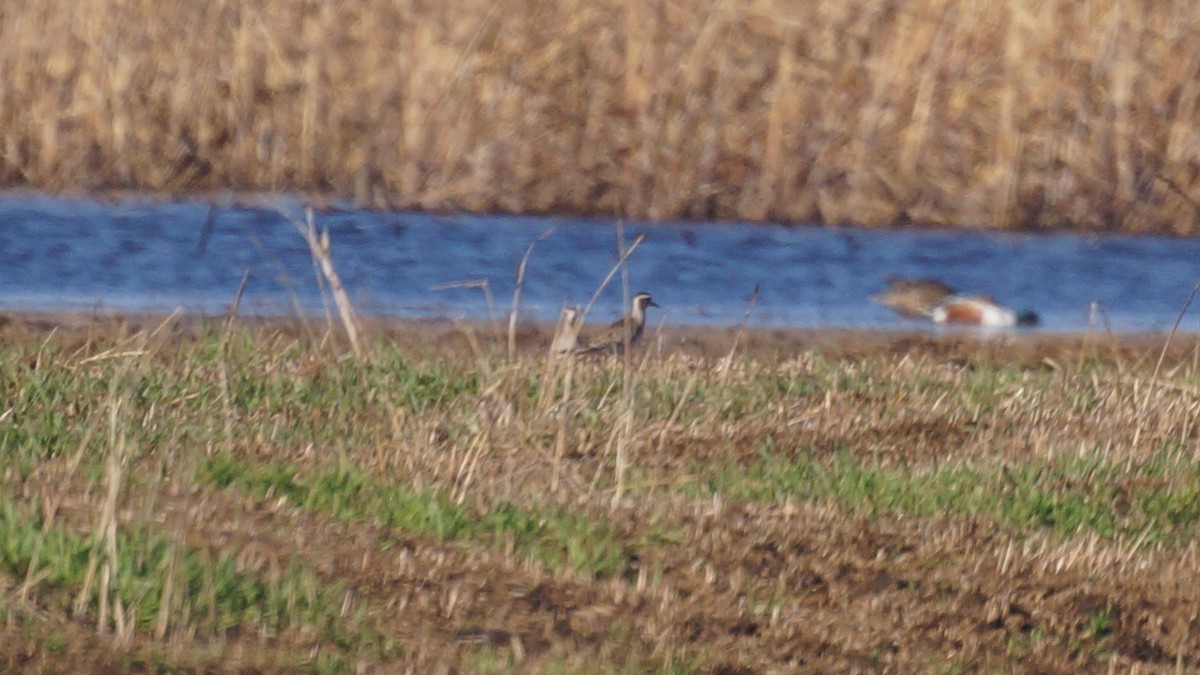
<point>610,340</point>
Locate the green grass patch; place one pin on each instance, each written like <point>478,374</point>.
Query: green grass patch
<point>554,538</point>
<point>209,594</point>
<point>1068,495</point>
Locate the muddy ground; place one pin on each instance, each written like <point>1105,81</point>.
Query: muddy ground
<point>732,588</point>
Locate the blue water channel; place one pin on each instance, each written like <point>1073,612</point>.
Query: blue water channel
<point>140,254</point>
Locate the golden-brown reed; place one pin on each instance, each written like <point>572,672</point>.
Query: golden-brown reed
<point>1021,114</point>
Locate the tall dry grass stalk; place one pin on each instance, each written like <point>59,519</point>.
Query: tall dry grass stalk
<point>103,569</point>
<point>1155,383</point>
<point>320,247</point>
<point>726,364</point>
<point>516,301</point>
<point>1022,114</point>
<point>619,266</point>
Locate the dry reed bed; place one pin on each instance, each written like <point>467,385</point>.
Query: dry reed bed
<point>1012,115</point>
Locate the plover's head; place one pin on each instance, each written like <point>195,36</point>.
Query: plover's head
<point>642,300</point>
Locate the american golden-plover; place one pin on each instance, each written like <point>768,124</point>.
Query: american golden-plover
<point>624,331</point>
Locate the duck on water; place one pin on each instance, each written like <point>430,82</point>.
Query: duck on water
<point>943,305</point>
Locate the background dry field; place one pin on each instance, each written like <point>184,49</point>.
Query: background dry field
<point>183,494</point>
<point>967,113</point>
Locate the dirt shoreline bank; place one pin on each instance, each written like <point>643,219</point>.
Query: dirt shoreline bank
<point>447,337</point>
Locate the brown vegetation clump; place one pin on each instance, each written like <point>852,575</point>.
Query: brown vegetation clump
<point>1022,114</point>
